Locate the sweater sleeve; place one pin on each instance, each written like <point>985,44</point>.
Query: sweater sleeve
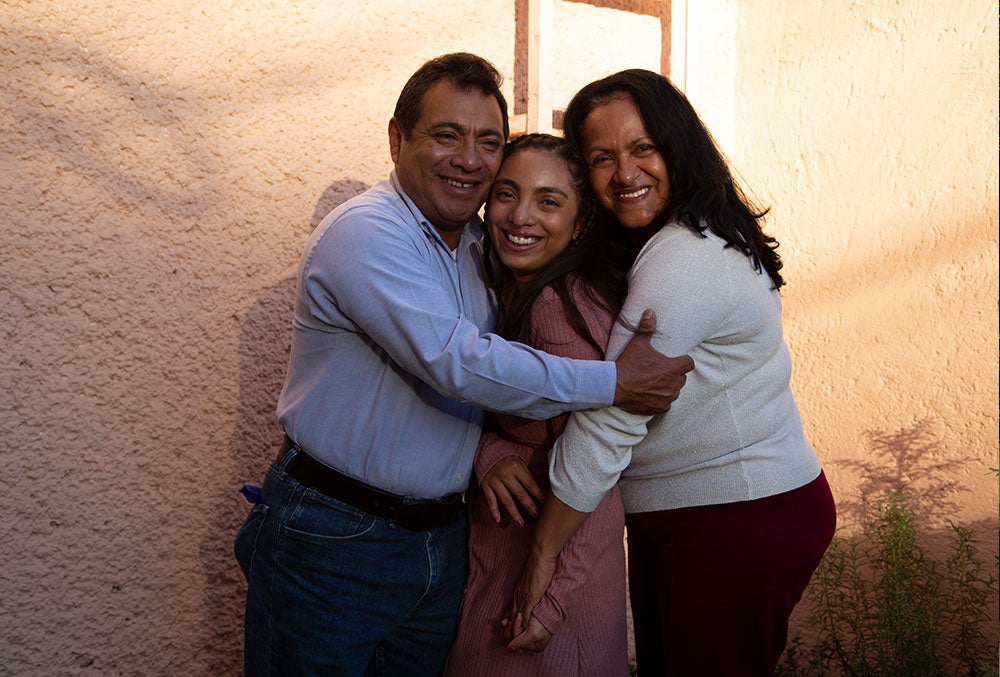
<point>683,278</point>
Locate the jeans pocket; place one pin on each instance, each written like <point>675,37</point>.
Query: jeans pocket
<point>246,539</point>
<point>320,519</point>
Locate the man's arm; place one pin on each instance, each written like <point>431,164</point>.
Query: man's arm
<point>369,275</point>
<point>363,272</point>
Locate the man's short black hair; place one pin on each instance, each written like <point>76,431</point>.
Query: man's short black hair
<point>465,71</point>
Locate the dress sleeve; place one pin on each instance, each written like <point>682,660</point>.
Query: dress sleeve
<point>493,446</point>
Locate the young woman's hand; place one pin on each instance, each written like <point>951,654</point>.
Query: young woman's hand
<point>508,484</point>
<point>535,578</point>
<point>535,638</point>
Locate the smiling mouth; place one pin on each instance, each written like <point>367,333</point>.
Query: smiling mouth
<point>520,240</point>
<point>634,194</point>
<point>459,184</point>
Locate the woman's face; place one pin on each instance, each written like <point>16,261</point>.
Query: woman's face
<point>532,212</point>
<point>627,171</point>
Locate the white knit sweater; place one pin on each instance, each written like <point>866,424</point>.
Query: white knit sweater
<point>734,433</point>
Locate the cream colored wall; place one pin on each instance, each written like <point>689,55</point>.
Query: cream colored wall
<point>871,130</point>
<point>162,163</point>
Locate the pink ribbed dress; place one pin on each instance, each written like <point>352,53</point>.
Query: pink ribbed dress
<point>584,607</point>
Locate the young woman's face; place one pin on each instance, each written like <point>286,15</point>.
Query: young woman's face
<point>627,171</point>
<point>532,212</point>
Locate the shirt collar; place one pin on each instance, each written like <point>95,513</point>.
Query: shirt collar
<point>473,229</point>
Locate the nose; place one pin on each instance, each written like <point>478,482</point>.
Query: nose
<point>523,214</point>
<point>468,155</point>
<point>626,170</point>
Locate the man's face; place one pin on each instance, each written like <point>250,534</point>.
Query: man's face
<point>447,164</point>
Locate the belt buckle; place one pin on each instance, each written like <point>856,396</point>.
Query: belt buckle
<point>421,514</point>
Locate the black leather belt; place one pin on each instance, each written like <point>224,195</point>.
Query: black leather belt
<point>416,514</point>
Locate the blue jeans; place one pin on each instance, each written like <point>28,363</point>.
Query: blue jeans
<point>333,590</point>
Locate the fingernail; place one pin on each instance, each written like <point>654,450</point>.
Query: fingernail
<point>510,650</point>
<point>520,523</point>
<point>497,520</point>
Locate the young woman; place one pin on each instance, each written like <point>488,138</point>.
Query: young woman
<point>727,508</point>
<point>559,291</point>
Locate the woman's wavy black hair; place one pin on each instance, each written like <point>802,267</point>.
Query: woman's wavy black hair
<point>703,193</point>
<point>590,256</point>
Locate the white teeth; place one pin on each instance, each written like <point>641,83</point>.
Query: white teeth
<point>459,183</point>
<point>635,193</point>
<point>517,239</point>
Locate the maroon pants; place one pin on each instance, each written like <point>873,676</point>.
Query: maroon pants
<point>712,587</point>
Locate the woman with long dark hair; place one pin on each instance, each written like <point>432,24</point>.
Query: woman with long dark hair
<point>548,261</point>
<point>727,507</point>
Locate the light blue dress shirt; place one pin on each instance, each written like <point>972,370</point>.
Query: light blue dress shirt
<point>392,362</point>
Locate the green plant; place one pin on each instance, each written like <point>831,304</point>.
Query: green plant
<point>880,606</point>
<point>969,601</point>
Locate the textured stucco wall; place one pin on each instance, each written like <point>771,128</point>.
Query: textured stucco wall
<point>162,164</point>
<point>870,129</point>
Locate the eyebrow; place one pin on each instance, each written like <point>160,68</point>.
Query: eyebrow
<point>449,124</point>
<point>539,190</point>
<point>637,140</point>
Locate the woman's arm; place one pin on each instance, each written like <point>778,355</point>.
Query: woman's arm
<point>555,528</point>
<point>596,446</point>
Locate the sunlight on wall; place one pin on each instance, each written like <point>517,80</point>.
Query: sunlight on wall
<point>592,42</point>
<point>712,67</point>
<point>871,134</point>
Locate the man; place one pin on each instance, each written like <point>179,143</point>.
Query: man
<point>355,556</point>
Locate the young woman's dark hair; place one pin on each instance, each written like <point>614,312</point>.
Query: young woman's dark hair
<point>590,257</point>
<point>703,193</point>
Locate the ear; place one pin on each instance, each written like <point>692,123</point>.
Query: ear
<point>395,140</point>
<point>577,229</point>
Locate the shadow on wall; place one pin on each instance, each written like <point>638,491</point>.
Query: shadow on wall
<point>914,457</point>
<point>265,342</point>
